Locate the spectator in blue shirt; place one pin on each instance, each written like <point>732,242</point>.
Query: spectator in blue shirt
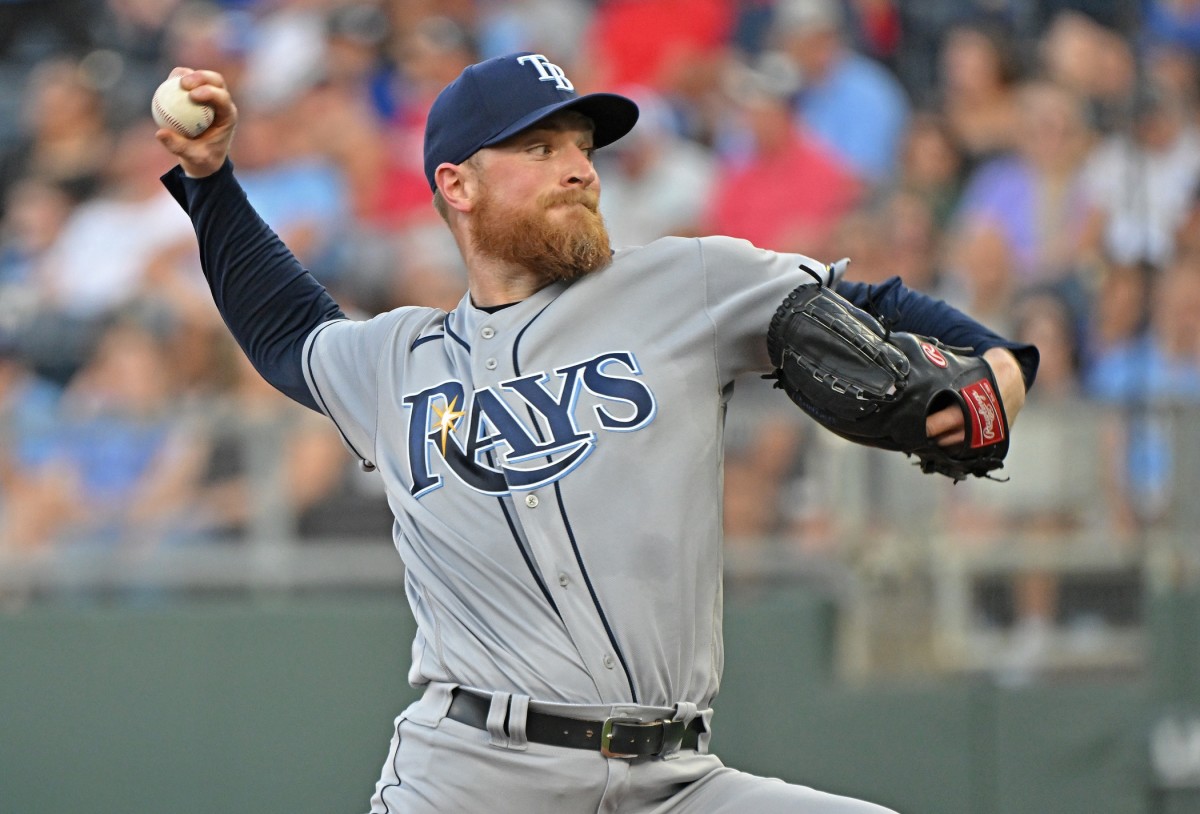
<point>28,427</point>
<point>851,103</point>
<point>1146,378</point>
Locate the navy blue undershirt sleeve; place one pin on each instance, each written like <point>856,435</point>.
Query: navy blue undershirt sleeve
<point>268,300</point>
<point>914,312</point>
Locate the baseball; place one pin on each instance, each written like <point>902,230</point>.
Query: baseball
<point>172,108</point>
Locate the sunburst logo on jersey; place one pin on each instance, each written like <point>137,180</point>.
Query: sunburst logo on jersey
<point>446,420</point>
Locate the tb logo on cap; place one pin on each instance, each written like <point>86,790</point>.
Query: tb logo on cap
<point>547,71</point>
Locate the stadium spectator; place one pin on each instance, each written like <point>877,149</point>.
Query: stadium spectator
<point>430,270</point>
<point>677,48</point>
<point>913,240</point>
<point>103,258</point>
<point>1138,183</point>
<point>1176,70</point>
<point>1034,197</point>
<point>1049,499</point>
<point>541,26</point>
<point>30,499</point>
<point>925,25</point>
<point>34,30</point>
<point>125,460</point>
<point>1173,22</point>
<point>1052,470</point>
<point>933,165</point>
<point>64,135</point>
<point>656,183</point>
<point>981,274</point>
<point>1094,61</point>
<point>1146,376</point>
<point>130,39</point>
<point>761,459</point>
<point>296,189</point>
<point>1187,236</point>
<point>655,43</point>
<point>345,113</point>
<point>429,56</point>
<point>980,72</point>
<point>36,210</point>
<point>286,32</point>
<point>891,235</point>
<point>786,190</point>
<point>207,34</point>
<point>850,103</point>
<point>99,261</point>
<point>269,468</point>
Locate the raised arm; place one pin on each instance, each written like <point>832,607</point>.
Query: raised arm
<point>265,296</point>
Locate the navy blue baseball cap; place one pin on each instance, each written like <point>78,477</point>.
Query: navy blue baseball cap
<point>500,97</point>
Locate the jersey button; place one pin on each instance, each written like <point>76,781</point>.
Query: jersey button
<point>608,661</point>
<point>490,364</point>
<point>563,579</point>
<point>531,501</point>
<point>488,332</point>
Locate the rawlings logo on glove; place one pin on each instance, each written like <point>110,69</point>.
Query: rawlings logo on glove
<point>876,387</point>
<point>986,414</point>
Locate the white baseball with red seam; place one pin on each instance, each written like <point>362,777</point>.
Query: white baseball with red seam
<point>172,108</point>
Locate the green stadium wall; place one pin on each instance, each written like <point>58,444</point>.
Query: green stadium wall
<point>287,705</point>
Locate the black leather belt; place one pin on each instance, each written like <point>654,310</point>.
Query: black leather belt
<point>614,737</point>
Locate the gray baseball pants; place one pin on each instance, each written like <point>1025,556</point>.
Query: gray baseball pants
<point>437,765</point>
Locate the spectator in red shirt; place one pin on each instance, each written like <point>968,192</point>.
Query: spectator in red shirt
<point>784,190</point>
<point>650,42</point>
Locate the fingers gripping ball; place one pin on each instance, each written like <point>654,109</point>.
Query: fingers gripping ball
<point>875,387</point>
<point>172,108</point>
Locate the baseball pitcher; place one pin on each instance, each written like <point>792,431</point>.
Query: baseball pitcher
<point>552,447</point>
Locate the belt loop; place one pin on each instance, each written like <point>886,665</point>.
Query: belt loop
<point>497,714</point>
<point>685,713</point>
<point>706,735</point>
<point>518,708</point>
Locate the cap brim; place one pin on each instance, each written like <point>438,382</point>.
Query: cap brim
<point>612,115</point>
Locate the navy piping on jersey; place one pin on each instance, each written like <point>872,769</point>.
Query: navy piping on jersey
<point>612,636</point>
<point>525,555</point>
<point>321,398</point>
<point>450,333</point>
<point>421,340</point>
<point>562,510</point>
<point>387,808</point>
<point>517,344</point>
<point>537,577</point>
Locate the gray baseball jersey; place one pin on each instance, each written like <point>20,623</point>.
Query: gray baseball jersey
<point>555,467</point>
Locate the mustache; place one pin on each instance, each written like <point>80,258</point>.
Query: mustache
<point>585,197</point>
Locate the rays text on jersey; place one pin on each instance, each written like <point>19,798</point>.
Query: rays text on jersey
<point>489,446</point>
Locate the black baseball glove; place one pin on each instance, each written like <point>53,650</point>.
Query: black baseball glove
<point>875,386</point>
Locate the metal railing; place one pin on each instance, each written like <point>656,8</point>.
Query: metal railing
<point>929,576</point>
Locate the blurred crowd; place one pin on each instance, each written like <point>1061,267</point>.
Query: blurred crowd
<point>1035,163</point>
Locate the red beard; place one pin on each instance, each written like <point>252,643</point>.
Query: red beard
<point>558,249</point>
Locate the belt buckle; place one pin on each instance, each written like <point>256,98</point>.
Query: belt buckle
<point>606,736</point>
